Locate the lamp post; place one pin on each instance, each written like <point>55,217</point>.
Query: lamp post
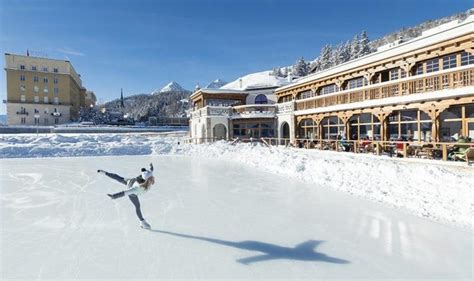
<point>37,116</point>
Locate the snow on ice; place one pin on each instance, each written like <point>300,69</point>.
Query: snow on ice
<point>436,190</point>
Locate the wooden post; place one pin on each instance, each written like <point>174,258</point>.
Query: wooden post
<point>445,152</point>
<point>405,150</point>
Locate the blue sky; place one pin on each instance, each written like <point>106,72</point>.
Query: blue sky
<point>142,45</point>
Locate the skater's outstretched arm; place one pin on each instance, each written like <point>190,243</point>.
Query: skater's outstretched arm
<point>151,167</point>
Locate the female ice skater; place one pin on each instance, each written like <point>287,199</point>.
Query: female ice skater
<point>135,186</point>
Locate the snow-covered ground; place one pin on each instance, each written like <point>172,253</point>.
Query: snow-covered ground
<point>436,190</point>
<point>218,218</point>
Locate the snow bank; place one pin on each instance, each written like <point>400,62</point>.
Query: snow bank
<point>435,190</point>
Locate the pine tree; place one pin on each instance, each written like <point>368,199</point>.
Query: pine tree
<point>345,54</point>
<point>364,47</point>
<point>355,47</point>
<point>325,57</point>
<point>277,72</point>
<point>300,68</point>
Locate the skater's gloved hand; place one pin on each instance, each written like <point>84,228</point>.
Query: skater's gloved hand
<point>101,171</point>
<point>116,195</point>
<point>151,166</point>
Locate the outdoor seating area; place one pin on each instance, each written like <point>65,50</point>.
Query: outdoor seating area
<point>461,150</point>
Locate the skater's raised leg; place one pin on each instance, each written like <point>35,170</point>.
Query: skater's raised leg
<point>113,176</point>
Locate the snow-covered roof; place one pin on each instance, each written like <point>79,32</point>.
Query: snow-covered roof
<point>256,80</point>
<point>440,33</point>
<point>218,91</point>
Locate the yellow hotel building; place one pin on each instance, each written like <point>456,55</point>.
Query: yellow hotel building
<point>43,91</point>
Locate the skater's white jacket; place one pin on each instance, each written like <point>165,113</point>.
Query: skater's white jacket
<point>134,187</point>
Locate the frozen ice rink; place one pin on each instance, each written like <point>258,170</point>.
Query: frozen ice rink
<point>210,219</point>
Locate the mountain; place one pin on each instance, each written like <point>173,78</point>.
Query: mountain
<point>171,87</point>
<point>169,101</point>
<point>216,84</point>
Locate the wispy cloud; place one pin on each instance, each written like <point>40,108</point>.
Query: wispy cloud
<point>72,52</point>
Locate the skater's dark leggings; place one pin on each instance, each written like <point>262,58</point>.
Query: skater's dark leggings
<point>116,177</point>
<point>132,197</point>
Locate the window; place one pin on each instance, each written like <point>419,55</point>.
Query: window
<point>467,58</point>
<point>394,74</point>
<point>22,98</point>
<point>22,78</point>
<point>45,99</point>
<point>56,101</point>
<point>306,94</point>
<point>56,90</point>
<point>432,65</point>
<point>261,99</point>
<point>33,67</point>
<point>22,67</point>
<point>449,61</point>
<point>56,120</point>
<point>35,79</point>
<point>55,70</point>
<point>328,89</point>
<point>22,88</point>
<point>45,69</point>
<point>355,83</point>
<point>55,80</point>
<point>36,89</point>
<point>23,120</point>
<point>418,69</point>
<point>36,99</point>
<point>45,79</point>
<point>45,90</point>
<point>403,73</point>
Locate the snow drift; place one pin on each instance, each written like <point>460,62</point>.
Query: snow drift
<point>436,190</point>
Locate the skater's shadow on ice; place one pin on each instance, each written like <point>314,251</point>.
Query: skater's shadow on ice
<point>303,252</point>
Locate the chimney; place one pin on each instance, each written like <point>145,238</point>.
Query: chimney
<point>240,83</point>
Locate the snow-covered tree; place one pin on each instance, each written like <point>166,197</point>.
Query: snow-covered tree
<point>277,72</point>
<point>364,47</point>
<point>301,68</point>
<point>325,57</point>
<point>355,47</point>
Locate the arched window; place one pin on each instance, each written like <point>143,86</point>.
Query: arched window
<point>261,99</point>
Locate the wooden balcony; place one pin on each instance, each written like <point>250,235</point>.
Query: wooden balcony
<point>425,83</point>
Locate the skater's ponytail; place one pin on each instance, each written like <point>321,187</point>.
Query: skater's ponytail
<point>148,183</point>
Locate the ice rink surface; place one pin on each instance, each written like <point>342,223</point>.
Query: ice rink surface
<point>210,220</point>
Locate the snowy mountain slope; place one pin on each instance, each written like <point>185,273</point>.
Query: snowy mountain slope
<point>216,84</point>
<point>57,223</point>
<point>256,80</point>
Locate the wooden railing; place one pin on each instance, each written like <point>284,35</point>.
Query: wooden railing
<point>446,79</point>
<point>429,150</point>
